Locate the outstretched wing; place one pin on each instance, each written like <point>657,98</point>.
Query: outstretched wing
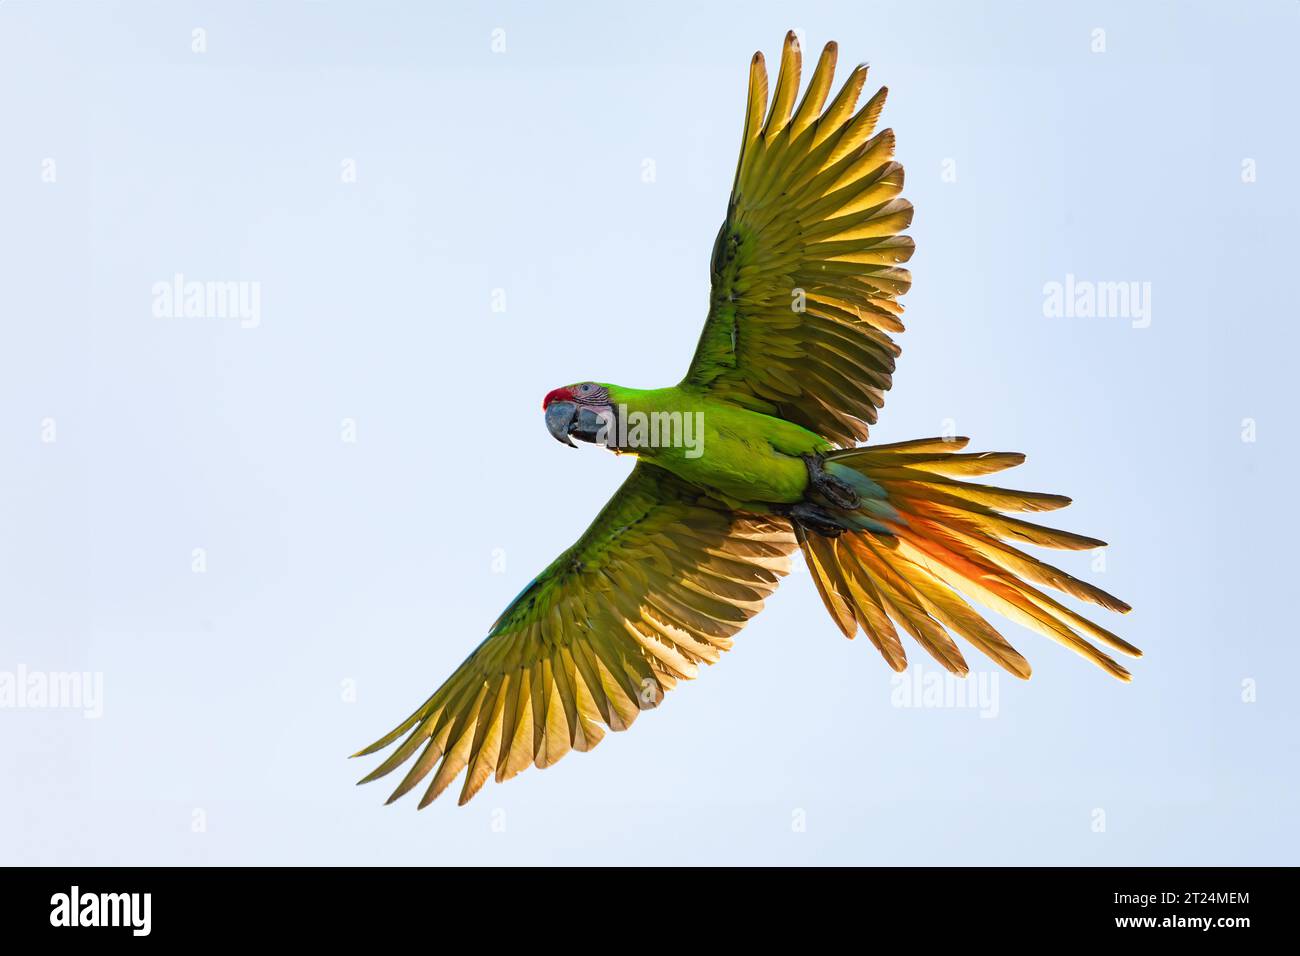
<point>661,581</point>
<point>805,269</point>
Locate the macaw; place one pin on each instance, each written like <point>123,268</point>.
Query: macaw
<point>791,368</point>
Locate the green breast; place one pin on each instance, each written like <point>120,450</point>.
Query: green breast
<point>747,457</point>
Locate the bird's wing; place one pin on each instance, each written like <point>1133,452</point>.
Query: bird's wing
<point>805,269</point>
<point>661,581</point>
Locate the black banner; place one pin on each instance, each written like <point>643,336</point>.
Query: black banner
<point>336,906</point>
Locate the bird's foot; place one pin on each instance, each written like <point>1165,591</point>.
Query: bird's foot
<point>816,519</point>
<point>839,493</point>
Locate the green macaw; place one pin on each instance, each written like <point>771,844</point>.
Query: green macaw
<point>752,455</point>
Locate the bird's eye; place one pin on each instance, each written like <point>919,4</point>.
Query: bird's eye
<point>584,388</point>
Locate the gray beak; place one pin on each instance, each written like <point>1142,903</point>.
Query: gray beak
<point>559,418</point>
<point>566,421</point>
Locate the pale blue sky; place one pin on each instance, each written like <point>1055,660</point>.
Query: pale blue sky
<point>372,562</point>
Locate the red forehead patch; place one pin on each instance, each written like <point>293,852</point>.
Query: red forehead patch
<point>556,395</point>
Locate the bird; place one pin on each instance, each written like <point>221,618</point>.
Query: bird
<point>758,452</point>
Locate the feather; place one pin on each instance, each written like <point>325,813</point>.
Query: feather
<point>787,87</point>
<point>838,608</point>
<point>819,86</point>
<point>870,608</point>
<point>948,539</point>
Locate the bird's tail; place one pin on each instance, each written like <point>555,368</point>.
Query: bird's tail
<point>918,537</point>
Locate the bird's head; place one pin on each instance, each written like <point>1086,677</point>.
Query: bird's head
<point>584,411</point>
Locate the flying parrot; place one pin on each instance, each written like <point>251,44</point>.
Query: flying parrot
<point>792,367</point>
